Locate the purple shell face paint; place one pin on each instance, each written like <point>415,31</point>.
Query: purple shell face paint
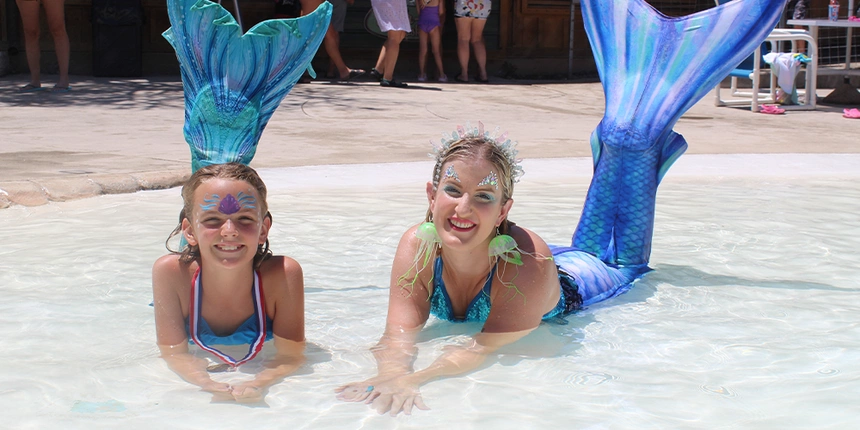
<point>229,204</point>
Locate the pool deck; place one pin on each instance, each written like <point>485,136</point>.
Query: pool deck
<point>123,135</point>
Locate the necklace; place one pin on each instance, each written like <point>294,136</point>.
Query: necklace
<point>259,310</point>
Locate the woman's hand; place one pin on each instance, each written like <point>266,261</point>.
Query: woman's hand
<point>359,391</point>
<point>394,396</point>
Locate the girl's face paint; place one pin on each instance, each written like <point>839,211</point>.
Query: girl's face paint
<point>229,204</point>
<point>226,229</point>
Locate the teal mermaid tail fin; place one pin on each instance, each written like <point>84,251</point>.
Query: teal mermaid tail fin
<point>233,82</point>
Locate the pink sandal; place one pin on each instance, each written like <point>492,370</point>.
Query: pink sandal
<point>771,110</point>
<point>851,113</point>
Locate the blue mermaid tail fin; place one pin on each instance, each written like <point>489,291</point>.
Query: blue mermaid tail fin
<point>233,82</point>
<point>654,68</point>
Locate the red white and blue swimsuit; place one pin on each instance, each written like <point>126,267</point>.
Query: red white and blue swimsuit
<point>254,331</point>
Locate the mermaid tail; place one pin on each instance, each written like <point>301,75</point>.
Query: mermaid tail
<point>233,82</point>
<point>653,69</point>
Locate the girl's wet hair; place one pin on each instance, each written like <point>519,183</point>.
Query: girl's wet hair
<point>478,147</point>
<point>231,171</point>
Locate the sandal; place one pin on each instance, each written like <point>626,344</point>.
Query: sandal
<point>771,110</point>
<point>29,88</point>
<point>460,78</point>
<point>375,74</point>
<point>851,113</point>
<point>353,73</point>
<point>392,83</point>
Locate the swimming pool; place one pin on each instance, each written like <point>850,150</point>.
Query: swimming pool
<point>751,318</point>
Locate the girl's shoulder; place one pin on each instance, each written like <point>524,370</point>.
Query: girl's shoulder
<point>169,268</point>
<point>280,264</point>
<point>282,272</point>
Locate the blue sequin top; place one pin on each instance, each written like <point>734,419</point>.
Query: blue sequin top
<point>479,309</point>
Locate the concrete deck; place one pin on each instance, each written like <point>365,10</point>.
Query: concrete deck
<point>125,135</point>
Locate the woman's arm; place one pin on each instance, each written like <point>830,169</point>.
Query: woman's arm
<point>521,296</point>
<point>408,310</point>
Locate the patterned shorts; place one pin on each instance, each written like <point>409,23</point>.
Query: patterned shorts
<point>801,8</point>
<point>479,9</point>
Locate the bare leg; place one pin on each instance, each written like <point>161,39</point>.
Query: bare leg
<point>54,11</point>
<point>801,44</point>
<point>392,50</point>
<point>30,17</point>
<point>464,36</point>
<point>332,48</point>
<point>436,45</point>
<point>331,66</point>
<point>422,54</point>
<point>479,48</point>
<point>380,62</point>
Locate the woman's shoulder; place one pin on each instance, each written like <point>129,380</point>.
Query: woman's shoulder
<point>528,240</point>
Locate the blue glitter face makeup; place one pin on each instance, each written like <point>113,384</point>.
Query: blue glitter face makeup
<point>229,204</point>
<point>450,173</point>
<point>491,179</point>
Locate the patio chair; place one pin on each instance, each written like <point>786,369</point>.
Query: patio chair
<point>751,68</point>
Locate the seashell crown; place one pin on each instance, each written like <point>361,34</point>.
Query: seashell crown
<point>499,140</point>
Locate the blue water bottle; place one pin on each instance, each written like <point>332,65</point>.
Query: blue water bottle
<point>833,10</point>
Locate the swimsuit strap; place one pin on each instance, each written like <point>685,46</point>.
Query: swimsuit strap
<point>259,310</point>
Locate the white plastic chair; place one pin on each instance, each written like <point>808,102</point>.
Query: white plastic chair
<point>755,96</point>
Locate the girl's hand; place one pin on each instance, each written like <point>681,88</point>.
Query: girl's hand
<point>247,393</point>
<point>216,387</point>
<point>394,396</point>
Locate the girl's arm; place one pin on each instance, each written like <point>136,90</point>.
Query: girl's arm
<point>285,302</point>
<point>168,279</point>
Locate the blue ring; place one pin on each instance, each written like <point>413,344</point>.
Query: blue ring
<point>369,388</point>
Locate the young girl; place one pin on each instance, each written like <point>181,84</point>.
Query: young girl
<point>226,287</point>
<point>430,16</point>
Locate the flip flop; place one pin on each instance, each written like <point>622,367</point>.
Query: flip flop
<point>771,110</point>
<point>61,89</point>
<point>851,113</point>
<point>29,88</point>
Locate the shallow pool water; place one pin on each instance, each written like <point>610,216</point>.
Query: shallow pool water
<point>751,318</point>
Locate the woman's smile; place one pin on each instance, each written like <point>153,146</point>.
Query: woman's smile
<point>458,224</point>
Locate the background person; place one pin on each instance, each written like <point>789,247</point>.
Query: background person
<point>55,13</point>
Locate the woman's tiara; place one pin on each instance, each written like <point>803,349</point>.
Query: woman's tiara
<point>500,140</point>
